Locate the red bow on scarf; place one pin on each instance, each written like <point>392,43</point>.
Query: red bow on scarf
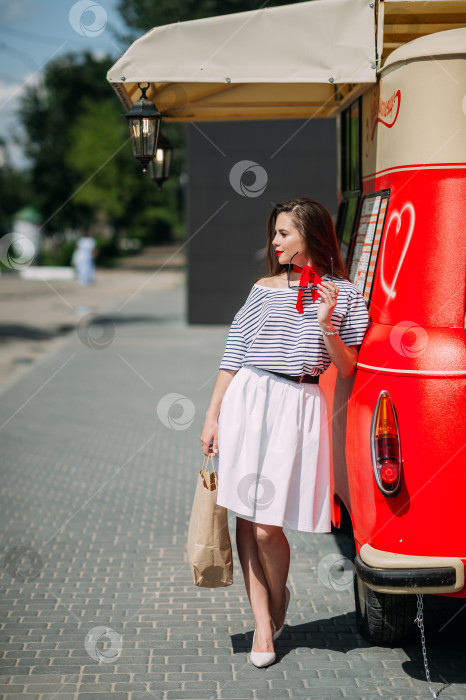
<point>308,275</point>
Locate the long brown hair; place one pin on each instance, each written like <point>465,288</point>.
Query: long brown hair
<point>315,224</point>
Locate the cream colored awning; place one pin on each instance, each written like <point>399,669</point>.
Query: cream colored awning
<point>308,59</point>
<point>295,61</point>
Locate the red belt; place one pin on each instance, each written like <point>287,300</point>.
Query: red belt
<point>306,378</point>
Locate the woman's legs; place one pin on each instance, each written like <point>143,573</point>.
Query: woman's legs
<point>274,554</point>
<point>264,555</point>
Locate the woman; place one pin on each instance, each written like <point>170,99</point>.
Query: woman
<point>266,424</point>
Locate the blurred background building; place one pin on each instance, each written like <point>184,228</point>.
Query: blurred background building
<point>226,229</point>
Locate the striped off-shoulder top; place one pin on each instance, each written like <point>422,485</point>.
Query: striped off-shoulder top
<point>269,332</point>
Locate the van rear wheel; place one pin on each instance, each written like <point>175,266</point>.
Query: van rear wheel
<point>383,618</point>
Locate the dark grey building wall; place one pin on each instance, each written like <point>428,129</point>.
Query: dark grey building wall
<point>226,229</point>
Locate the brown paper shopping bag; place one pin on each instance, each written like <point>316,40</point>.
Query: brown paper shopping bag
<point>209,546</point>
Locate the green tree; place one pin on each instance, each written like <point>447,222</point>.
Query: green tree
<point>48,112</point>
<point>16,192</point>
<point>112,181</point>
<point>82,160</point>
<point>98,153</point>
<point>145,14</point>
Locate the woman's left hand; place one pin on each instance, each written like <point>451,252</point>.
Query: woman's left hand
<point>328,301</point>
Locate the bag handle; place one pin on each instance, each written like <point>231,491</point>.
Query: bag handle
<point>209,456</point>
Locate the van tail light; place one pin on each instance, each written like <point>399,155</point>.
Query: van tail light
<point>385,446</point>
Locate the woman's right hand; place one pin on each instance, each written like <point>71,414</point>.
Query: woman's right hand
<point>210,435</point>
<point>210,430</point>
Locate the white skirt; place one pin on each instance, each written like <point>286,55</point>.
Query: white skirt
<point>273,451</point>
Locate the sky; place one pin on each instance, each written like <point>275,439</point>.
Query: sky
<point>34,32</point>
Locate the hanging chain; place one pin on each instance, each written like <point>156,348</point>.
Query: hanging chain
<point>420,623</point>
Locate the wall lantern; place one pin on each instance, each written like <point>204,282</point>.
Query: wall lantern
<point>144,125</point>
<point>159,167</point>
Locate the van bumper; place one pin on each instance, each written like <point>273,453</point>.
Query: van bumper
<point>387,572</point>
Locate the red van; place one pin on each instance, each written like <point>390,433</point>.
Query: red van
<point>398,426</point>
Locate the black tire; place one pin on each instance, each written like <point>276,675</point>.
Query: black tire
<point>383,618</point>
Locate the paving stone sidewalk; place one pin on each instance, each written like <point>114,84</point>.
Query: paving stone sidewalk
<point>100,452</point>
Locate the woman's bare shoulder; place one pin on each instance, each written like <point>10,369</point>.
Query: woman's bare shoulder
<point>276,282</point>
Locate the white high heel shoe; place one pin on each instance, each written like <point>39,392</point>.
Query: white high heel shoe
<point>261,658</point>
<point>287,598</point>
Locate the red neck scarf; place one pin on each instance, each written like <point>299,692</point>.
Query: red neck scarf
<point>308,275</point>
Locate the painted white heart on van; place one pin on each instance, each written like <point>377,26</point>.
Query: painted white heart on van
<point>404,221</point>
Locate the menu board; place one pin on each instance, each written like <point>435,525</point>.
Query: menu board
<point>367,243</point>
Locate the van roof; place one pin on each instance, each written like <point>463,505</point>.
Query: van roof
<point>447,43</point>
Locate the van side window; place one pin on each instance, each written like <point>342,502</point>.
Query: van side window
<point>350,174</point>
<point>366,242</point>
<point>345,223</point>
